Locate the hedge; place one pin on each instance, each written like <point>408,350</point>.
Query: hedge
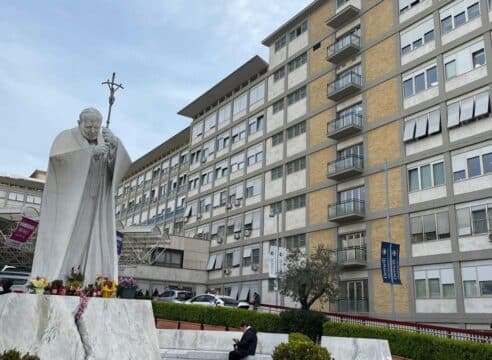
<point>213,315</point>
<point>412,345</point>
<point>309,323</point>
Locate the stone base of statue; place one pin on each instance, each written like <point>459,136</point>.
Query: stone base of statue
<point>45,325</point>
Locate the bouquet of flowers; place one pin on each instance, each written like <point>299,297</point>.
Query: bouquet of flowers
<point>108,289</point>
<point>39,283</point>
<point>76,280</point>
<point>126,281</point>
<point>57,287</point>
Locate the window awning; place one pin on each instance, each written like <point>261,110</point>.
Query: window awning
<point>466,112</point>
<point>236,258</point>
<point>219,261</point>
<point>409,130</point>
<point>234,291</point>
<point>244,293</point>
<point>434,122</point>
<point>211,262</point>
<point>482,102</point>
<point>453,114</point>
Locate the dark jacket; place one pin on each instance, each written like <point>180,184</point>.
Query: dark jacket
<point>247,344</point>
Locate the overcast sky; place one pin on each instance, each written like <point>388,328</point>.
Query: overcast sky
<point>55,54</point>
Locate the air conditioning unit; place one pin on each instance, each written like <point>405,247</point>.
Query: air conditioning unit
<point>255,267</point>
<point>237,203</point>
<point>229,206</point>
<point>204,160</point>
<point>198,216</point>
<point>247,232</point>
<point>237,236</point>
<point>227,271</point>
<point>220,240</point>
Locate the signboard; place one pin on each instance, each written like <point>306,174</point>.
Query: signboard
<point>390,263</point>
<point>24,230</point>
<point>119,242</point>
<point>272,261</point>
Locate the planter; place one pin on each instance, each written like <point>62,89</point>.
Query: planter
<point>128,292</point>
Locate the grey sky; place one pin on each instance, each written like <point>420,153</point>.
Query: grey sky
<point>55,54</point>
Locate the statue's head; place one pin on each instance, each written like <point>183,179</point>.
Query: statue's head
<point>90,121</point>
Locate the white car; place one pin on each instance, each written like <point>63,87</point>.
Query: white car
<point>212,300</point>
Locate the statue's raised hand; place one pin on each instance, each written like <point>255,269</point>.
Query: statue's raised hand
<point>100,150</point>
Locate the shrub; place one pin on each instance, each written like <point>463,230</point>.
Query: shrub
<point>309,323</point>
<point>412,345</point>
<point>212,315</point>
<point>15,355</point>
<point>300,347</point>
<point>298,337</point>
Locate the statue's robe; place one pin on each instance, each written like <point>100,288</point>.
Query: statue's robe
<point>77,224</point>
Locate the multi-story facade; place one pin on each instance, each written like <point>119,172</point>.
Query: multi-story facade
<point>370,123</point>
<point>153,191</point>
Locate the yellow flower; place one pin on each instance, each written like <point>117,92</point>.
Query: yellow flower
<point>39,282</point>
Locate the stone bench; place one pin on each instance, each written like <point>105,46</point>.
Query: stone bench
<point>344,348</point>
<point>211,345</point>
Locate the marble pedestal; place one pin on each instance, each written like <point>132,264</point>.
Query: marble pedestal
<point>108,328</point>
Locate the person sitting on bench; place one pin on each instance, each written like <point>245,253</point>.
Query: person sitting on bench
<point>247,345</point>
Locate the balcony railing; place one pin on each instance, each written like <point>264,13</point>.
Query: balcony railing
<point>345,125</point>
<point>352,256</point>
<point>347,210</point>
<point>351,305</point>
<point>345,47</point>
<point>346,84</point>
<point>343,15</point>
<point>346,167</point>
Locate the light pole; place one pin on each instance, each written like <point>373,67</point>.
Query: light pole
<point>276,213</point>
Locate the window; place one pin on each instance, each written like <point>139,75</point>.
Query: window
<point>429,227</point>
<point>257,93</point>
<point>487,163</point>
<point>296,130</point>
<point>240,103</point>
<point>237,162</point>
<point>239,133</point>
<point>255,256</point>
<point>222,141</point>
<point>474,219</point>
<point>434,283</point>
<point>277,106</point>
<point>296,165</point>
<point>406,5</point>
<point>224,114</point>
<point>298,31</point>
<point>471,108</point>
<point>420,81</point>
<point>297,62</point>
<point>477,280</point>
<point>417,36</point>
<point>197,130</point>
<point>295,241</point>
<point>280,43</point>
<point>279,74</point>
<point>296,202</point>
<point>16,196</point>
<point>255,154</point>
<point>276,173</point>
<point>278,138</point>
<point>475,166</point>
<point>167,257</point>
<point>210,122</point>
<point>426,176</point>
<point>422,126</point>
<point>256,124</point>
<point>296,96</point>
<point>253,187</point>
<point>459,14</point>
<point>276,208</point>
<point>464,60</point>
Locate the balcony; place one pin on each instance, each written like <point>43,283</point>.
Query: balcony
<point>344,48</point>
<point>346,167</point>
<point>348,83</point>
<point>353,209</point>
<point>350,305</point>
<point>352,256</point>
<point>346,125</point>
<point>343,16</point>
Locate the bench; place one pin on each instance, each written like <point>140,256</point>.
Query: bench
<point>211,345</point>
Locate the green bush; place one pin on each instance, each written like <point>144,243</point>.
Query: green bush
<point>15,355</point>
<point>212,315</point>
<point>298,337</point>
<point>412,345</point>
<point>309,323</point>
<point>300,347</point>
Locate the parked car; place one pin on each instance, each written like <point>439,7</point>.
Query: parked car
<point>175,296</point>
<point>243,304</point>
<point>212,300</point>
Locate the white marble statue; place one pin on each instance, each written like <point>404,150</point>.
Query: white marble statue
<point>77,224</point>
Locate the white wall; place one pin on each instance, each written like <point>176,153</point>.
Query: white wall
<point>296,144</point>
<point>295,219</point>
<point>431,248</point>
<point>297,76</point>
<point>270,223</point>
<point>275,88</point>
<point>421,51</point>
<point>296,110</point>
<point>275,153</point>
<point>470,129</point>
<point>427,194</point>
<point>415,10</point>
<point>295,181</point>
<point>435,305</point>
<point>274,121</point>
<point>297,44</point>
<point>476,305</point>
<point>277,57</point>
<point>421,97</point>
<point>462,30</point>
<point>474,243</point>
<point>473,184</point>
<point>424,144</point>
<point>272,188</point>
<point>466,78</point>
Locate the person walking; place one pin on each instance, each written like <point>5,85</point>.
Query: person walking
<point>247,345</point>
<point>256,301</point>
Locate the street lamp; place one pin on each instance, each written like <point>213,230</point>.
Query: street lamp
<point>276,213</point>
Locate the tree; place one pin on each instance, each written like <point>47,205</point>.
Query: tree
<point>309,278</point>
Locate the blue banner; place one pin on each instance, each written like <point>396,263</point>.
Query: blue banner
<point>390,263</point>
<point>119,242</point>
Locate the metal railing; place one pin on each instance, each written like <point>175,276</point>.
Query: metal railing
<point>352,206</point>
<point>350,119</point>
<point>348,162</point>
<point>351,305</point>
<point>343,42</point>
<point>352,254</point>
<point>348,78</point>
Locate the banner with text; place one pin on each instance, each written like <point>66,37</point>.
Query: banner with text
<point>24,230</point>
<point>390,263</point>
